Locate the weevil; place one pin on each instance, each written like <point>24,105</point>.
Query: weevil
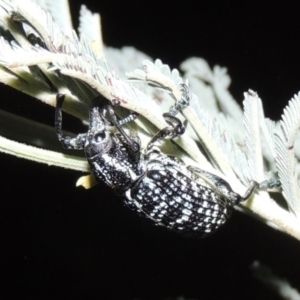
<point>158,186</point>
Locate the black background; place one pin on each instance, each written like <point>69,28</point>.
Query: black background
<point>58,240</point>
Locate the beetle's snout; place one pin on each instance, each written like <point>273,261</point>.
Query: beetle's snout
<point>96,121</point>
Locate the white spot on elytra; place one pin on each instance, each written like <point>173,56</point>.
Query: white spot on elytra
<point>188,205</point>
<point>208,212</point>
<point>200,210</point>
<point>187,212</point>
<point>185,218</point>
<point>178,199</point>
<point>205,204</point>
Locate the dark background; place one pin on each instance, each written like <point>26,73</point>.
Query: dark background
<point>58,240</point>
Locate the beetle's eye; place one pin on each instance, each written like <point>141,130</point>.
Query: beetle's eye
<point>99,136</point>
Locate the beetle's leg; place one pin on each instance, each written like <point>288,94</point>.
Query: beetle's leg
<point>223,186</point>
<point>183,102</point>
<point>270,184</point>
<point>176,127</point>
<point>131,141</point>
<point>170,132</point>
<point>68,142</point>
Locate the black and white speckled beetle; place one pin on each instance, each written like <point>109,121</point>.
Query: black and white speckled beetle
<point>156,185</point>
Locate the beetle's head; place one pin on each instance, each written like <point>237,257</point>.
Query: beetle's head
<point>98,139</point>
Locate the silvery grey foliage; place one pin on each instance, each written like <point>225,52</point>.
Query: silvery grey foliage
<point>240,144</point>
